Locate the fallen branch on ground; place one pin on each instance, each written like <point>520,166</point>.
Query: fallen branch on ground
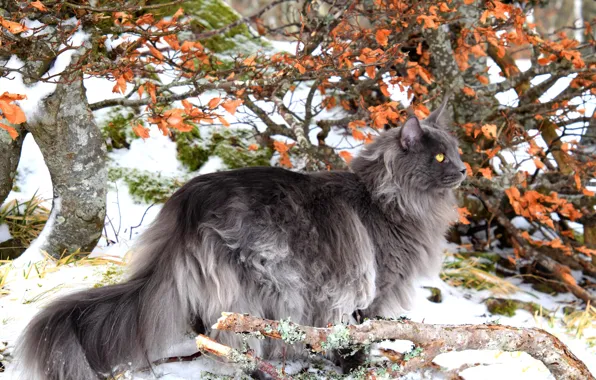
<point>248,362</point>
<point>434,339</point>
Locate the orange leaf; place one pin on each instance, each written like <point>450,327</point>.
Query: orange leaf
<point>347,156</point>
<point>250,61</point>
<point>13,27</point>
<point>358,135</point>
<point>13,113</point>
<point>151,90</point>
<point>300,68</point>
<point>141,90</point>
<point>178,13</point>
<point>39,6</point>
<point>578,181</point>
<point>154,52</point>
<point>356,123</point>
<point>120,85</point>
<point>587,192</point>
<point>231,105</point>
<point>428,21</point>
<point>253,147</point>
<point>468,169</point>
<point>172,40</point>
<point>489,131</point>
<point>468,91</point>
<point>486,172</point>
<point>174,117</point>
<point>282,148</point>
<point>382,36</point>
<point>213,103</point>
<point>141,131</point>
<point>468,2</point>
<point>482,79</point>
<point>223,121</point>
<point>11,131</point>
<point>543,61</point>
<point>539,164</point>
<point>463,214</point>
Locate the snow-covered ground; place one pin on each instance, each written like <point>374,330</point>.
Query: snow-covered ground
<point>30,289</point>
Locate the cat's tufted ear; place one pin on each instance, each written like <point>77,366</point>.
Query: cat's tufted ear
<point>411,133</point>
<point>440,116</point>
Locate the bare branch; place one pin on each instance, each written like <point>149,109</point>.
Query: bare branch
<point>443,338</point>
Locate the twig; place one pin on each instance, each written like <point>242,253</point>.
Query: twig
<point>248,361</point>
<point>135,8</point>
<point>141,222</point>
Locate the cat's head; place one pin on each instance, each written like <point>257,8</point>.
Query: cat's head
<point>421,155</point>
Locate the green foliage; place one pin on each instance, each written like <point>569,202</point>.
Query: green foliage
<point>116,129</point>
<point>145,186</point>
<point>231,145</point>
<point>215,14</point>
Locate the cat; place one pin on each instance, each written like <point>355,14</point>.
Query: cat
<point>271,242</point>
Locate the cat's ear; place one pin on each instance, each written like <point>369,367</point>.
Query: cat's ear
<point>411,133</point>
<point>440,116</point>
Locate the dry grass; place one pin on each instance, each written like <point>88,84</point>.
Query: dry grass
<point>472,272</point>
<point>26,219</point>
<point>577,322</point>
<point>82,258</point>
<point>4,272</point>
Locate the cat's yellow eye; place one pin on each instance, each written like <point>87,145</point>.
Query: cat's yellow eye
<point>440,157</point>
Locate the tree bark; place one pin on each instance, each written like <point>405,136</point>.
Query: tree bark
<point>435,339</point>
<point>73,149</point>
<point>10,151</point>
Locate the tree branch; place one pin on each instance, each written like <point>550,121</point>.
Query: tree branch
<point>441,338</point>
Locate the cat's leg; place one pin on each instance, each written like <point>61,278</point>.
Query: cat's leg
<point>350,359</point>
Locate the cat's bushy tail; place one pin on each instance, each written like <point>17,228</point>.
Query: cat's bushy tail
<point>87,334</point>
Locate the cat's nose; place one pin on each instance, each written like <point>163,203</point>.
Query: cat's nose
<point>463,171</point>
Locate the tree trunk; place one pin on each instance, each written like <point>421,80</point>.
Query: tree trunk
<point>10,151</point>
<point>74,152</point>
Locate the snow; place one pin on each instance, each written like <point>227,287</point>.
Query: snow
<point>40,90</point>
<point>34,253</point>
<point>4,233</point>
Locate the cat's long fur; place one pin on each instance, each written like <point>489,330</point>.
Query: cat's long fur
<point>269,242</point>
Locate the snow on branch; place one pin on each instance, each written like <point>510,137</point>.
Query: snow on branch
<point>431,339</point>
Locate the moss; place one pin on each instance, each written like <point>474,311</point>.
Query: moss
<point>435,294</point>
<point>545,287</point>
<point>145,186</point>
<point>501,307</point>
<point>215,14</point>
<point>191,149</point>
<point>116,129</point>
<point>232,146</point>
<point>113,275</point>
<point>507,307</point>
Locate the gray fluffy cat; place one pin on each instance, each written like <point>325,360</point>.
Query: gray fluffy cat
<point>269,242</point>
